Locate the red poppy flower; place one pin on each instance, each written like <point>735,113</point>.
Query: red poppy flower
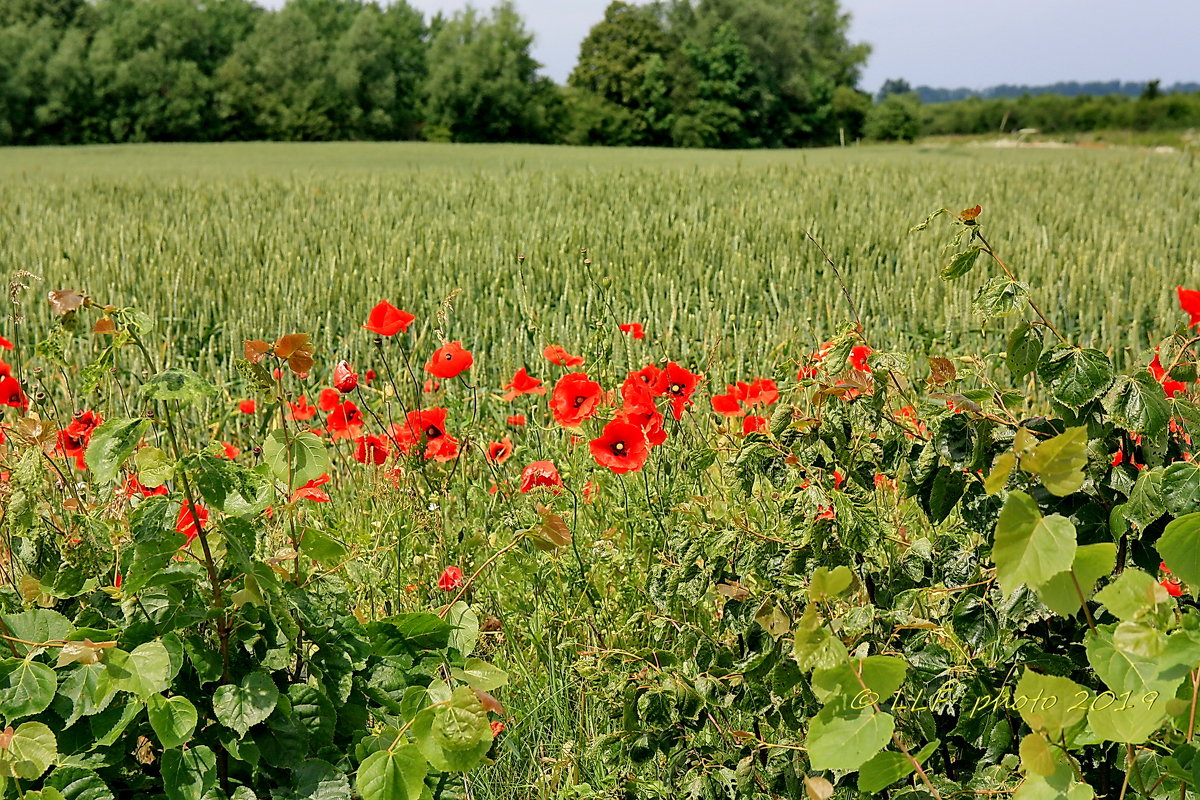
<point>344,378</point>
<point>229,451</point>
<point>1189,301</point>
<point>497,727</point>
<point>247,406</point>
<point>679,384</point>
<point>387,320</point>
<point>499,452</point>
<point>752,424</point>
<point>11,394</point>
<point>858,358</point>
<point>75,438</point>
<point>555,354</point>
<point>648,375</point>
<point>1162,565</point>
<point>639,409</point>
<point>329,399</point>
<point>539,474</point>
<point>344,422</point>
<point>1159,372</point>
<point>133,486</point>
<point>522,383</point>
<point>825,512</point>
<point>5,344</point>
<point>589,492</point>
<point>1173,587</point>
<point>5,370</point>
<point>429,426</point>
<point>191,516</point>
<point>449,360</point>
<point>371,450</point>
<point>450,579</point>
<point>727,404</point>
<point>301,411</point>
<point>761,391</point>
<point>1118,457</point>
<point>118,581</point>
<point>634,329</point>
<point>369,376</point>
<point>443,448</point>
<point>311,490</point>
<point>621,447</point>
<point>838,479</point>
<point>575,399</point>
<point>517,420</point>
<point>430,386</point>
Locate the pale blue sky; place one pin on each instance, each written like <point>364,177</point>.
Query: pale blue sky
<point>950,43</point>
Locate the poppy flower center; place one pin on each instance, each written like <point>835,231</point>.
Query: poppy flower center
<point>449,356</point>
<point>618,447</point>
<point>580,400</point>
<point>675,388</point>
<point>432,432</point>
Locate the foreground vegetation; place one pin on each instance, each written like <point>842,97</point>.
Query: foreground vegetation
<point>596,526</point>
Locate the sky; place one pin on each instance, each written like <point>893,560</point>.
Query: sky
<point>952,43</point>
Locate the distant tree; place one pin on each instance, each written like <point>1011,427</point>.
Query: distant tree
<point>850,108</point>
<point>621,64</point>
<point>799,54</point>
<point>713,88</point>
<point>897,118</point>
<point>892,86</point>
<point>276,84</point>
<point>483,84</point>
<point>1152,90</point>
<point>58,13</point>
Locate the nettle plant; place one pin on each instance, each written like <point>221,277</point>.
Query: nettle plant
<point>175,623</point>
<point>933,587</point>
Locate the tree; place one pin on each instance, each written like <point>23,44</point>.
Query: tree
<point>897,118</point>
<point>483,84</point>
<point>799,54</point>
<point>711,112</point>
<point>621,66</point>
<point>892,86</point>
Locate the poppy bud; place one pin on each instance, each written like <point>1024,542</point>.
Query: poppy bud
<point>344,379</point>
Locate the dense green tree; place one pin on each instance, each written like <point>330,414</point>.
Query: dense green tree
<point>622,64</point>
<point>897,118</point>
<point>892,86</point>
<point>711,90</point>
<point>483,84</point>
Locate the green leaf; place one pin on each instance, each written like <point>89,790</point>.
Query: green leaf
<point>323,548</point>
<point>244,706</point>
<point>814,647</point>
<point>36,625</point>
<point>480,675</point>
<point>179,384</point>
<point>112,443</point>
<point>79,783</point>
<point>409,633</point>
<point>26,688</point>
<point>1132,595</point>
<point>1181,488</point>
<point>847,742</point>
<point>1024,348</point>
<point>1145,504</point>
<point>454,737</point>
<point>466,628</point>
<point>392,774</point>
<point>310,459</point>
<point>882,676</point>
<point>173,719</point>
<point>155,541</point>
<point>960,263</point>
<point>1030,548</point>
<point>30,752</point>
<point>145,671</point>
<point>154,467</point>
<point>1092,562</point>
<point>228,486</point>
<point>189,774</point>
<point>1049,704</point>
<point>888,767</point>
<point>826,583</point>
<point>1059,462</point>
<point>1000,297</point>
<point>1075,376</point>
<point>1002,467</point>
<point>319,780</point>
<point>1179,547</point>
<point>1139,404</point>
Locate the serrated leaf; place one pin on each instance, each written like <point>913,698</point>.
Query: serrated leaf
<point>1075,376</point>
<point>30,750</point>
<point>1024,349</point>
<point>392,774</point>
<point>1058,462</point>
<point>1029,548</point>
<point>243,706</point>
<point>1000,297</point>
<point>172,718</point>
<point>961,263</point>
<point>847,742</point>
<point>309,457</point>
<point>1092,562</point>
<point>112,443</point>
<point>178,383</point>
<point>26,688</point>
<point>1139,404</point>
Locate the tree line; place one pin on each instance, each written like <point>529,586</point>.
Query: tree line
<point>683,73</point>
<point>703,73</point>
